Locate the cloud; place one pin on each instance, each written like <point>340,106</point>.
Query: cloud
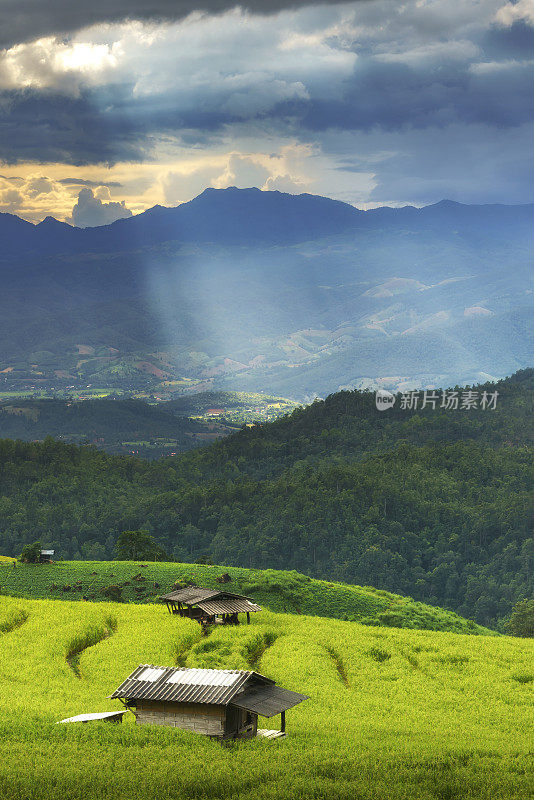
<point>87,182</point>
<point>38,185</point>
<point>23,20</point>
<point>159,81</point>
<point>287,171</point>
<point>389,102</point>
<point>469,163</point>
<point>33,196</point>
<point>520,11</point>
<point>10,199</point>
<point>57,129</point>
<point>63,65</point>
<point>97,208</point>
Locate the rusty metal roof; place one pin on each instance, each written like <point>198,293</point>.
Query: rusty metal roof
<point>190,595</point>
<point>267,700</point>
<point>177,685</point>
<point>227,605</point>
<point>212,601</point>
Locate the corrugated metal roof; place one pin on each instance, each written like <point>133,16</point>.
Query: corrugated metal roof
<point>90,717</point>
<point>228,602</point>
<point>190,595</point>
<point>177,685</point>
<point>228,605</point>
<point>267,700</point>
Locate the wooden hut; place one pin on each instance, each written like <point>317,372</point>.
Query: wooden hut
<point>209,606</point>
<point>46,556</point>
<point>221,703</point>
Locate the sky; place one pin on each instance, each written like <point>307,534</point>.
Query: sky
<point>108,108</point>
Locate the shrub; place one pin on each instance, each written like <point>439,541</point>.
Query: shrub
<point>523,678</point>
<point>113,593</point>
<point>390,619</point>
<point>30,553</point>
<point>378,654</point>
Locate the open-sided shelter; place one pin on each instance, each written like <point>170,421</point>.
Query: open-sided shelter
<point>223,703</point>
<point>209,605</point>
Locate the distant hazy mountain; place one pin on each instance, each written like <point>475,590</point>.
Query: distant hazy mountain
<point>298,295</point>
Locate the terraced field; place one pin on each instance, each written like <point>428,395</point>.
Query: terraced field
<point>392,715</point>
<point>278,590</point>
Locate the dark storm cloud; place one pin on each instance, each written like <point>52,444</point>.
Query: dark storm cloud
<point>105,126</point>
<point>378,89</point>
<point>24,20</point>
<point>54,128</point>
<point>515,42</point>
<point>394,95</point>
<point>85,182</point>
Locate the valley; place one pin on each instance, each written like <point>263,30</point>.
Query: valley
<point>146,427</point>
<point>180,300</point>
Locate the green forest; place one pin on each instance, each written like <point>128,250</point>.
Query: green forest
<point>435,504</point>
<point>115,425</point>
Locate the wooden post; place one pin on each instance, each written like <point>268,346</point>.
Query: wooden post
<point>248,617</point>
<point>283,722</point>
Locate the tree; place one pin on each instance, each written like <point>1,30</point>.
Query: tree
<point>135,545</point>
<point>30,553</point>
<point>521,622</point>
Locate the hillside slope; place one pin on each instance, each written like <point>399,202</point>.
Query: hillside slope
<point>276,589</point>
<point>402,715</point>
<point>117,426</point>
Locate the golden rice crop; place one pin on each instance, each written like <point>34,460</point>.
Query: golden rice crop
<point>392,715</point>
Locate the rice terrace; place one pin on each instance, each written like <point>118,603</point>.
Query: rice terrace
<point>392,712</point>
<point>267,400</point>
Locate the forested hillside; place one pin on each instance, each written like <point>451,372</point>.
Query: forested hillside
<point>434,504</point>
<point>117,426</point>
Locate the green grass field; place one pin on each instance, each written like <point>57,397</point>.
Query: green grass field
<point>278,590</point>
<point>392,714</point>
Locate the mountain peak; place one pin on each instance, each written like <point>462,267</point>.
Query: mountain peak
<point>51,222</point>
<point>447,204</point>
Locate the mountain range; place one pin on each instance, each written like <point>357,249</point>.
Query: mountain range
<point>264,291</point>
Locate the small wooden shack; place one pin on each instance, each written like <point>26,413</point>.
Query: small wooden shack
<point>46,556</point>
<point>219,703</point>
<point>209,606</point>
